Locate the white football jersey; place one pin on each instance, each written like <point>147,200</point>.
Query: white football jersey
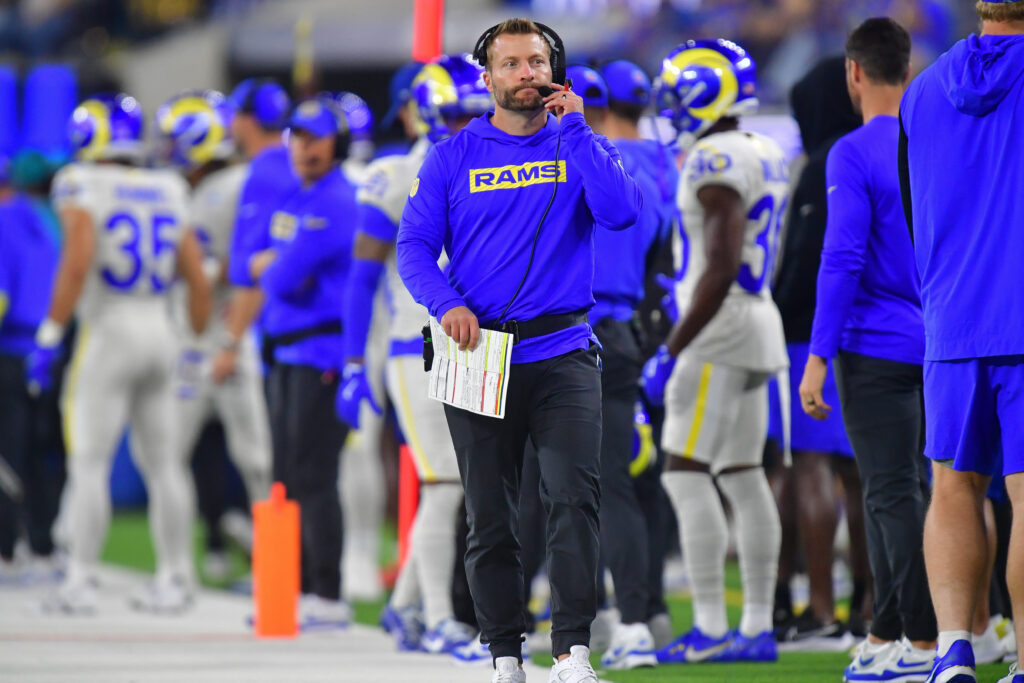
<point>388,183</point>
<point>746,331</point>
<point>138,216</point>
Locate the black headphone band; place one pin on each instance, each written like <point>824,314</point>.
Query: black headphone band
<point>554,42</point>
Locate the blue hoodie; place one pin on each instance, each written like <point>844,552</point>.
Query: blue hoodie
<point>962,117</point>
<point>480,195</point>
<point>620,258</point>
<point>28,263</point>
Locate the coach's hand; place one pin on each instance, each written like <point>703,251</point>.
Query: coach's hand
<point>563,101</point>
<point>39,368</point>
<point>811,386</point>
<point>461,325</point>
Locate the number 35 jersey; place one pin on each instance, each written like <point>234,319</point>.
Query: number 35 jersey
<point>746,331</point>
<point>138,217</point>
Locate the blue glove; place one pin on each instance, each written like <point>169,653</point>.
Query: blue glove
<point>39,368</point>
<point>353,389</point>
<point>657,370</point>
<point>668,302</point>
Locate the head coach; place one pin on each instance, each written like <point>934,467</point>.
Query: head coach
<point>514,200</point>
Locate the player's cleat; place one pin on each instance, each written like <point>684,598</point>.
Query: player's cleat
<point>507,670</point>
<point>987,648</point>
<point>73,597</point>
<point>807,633</point>
<point>474,652</point>
<point>759,648</point>
<point>163,596</point>
<point>575,668</point>
<point>694,647</point>
<point>320,614</point>
<point>632,646</point>
<point>956,666</point>
<point>404,625</point>
<point>446,637</point>
<point>661,629</point>
<point>1013,676</point>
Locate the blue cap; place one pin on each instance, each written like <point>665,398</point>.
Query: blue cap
<point>627,83</point>
<point>400,90</point>
<point>316,116</point>
<point>263,99</point>
<point>589,85</point>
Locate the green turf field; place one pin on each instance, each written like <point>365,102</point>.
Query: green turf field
<point>129,545</point>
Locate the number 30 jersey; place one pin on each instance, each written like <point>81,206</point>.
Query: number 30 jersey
<point>139,216</point>
<point>746,331</point>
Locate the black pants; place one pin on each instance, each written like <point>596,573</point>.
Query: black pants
<point>884,418</point>
<point>307,439</point>
<point>532,528</point>
<point>623,528</point>
<point>31,447</point>
<point>658,515</point>
<point>556,404</point>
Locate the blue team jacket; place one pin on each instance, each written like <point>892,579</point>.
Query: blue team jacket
<point>480,195</point>
<point>305,285</point>
<point>28,263</point>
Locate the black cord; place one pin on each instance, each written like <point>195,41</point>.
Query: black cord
<point>536,234</point>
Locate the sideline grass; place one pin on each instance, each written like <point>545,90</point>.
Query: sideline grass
<point>128,544</point>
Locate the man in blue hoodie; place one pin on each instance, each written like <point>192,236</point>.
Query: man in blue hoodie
<point>961,170</point>
<point>514,200</point>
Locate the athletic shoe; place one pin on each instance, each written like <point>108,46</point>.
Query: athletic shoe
<point>72,597</point>
<point>694,647</point>
<point>216,566</point>
<point>807,633</point>
<point>1013,676</point>
<point>404,625</point>
<point>163,596</point>
<point>575,668</point>
<point>507,670</point>
<point>320,614</point>
<point>869,660</point>
<point>759,648</point>
<point>632,646</point>
<point>474,653</point>
<point>661,629</point>
<point>956,666</point>
<point>602,627</point>
<point>1007,640</point>
<point>986,646</point>
<point>43,569</point>
<point>446,637</point>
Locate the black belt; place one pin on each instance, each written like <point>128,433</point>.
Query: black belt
<point>272,342</point>
<point>539,326</point>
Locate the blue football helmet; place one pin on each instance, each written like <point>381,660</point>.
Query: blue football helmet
<point>107,126</point>
<point>195,127</point>
<point>702,81</point>
<point>450,87</point>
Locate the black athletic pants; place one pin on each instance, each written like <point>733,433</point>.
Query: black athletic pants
<point>884,417</point>
<point>623,527</point>
<point>307,439</point>
<point>30,446</point>
<point>556,404</point>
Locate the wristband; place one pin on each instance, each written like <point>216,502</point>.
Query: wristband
<point>49,334</point>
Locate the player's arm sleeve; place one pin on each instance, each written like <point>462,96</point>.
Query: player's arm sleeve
<point>612,195</point>
<point>421,237</point>
<point>842,257</point>
<point>904,171</point>
<point>251,233</point>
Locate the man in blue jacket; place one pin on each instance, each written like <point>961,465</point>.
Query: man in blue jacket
<point>868,316</point>
<point>521,251</point>
<point>961,170</point>
<point>302,275</point>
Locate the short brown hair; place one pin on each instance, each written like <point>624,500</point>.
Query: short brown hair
<point>1000,11</point>
<point>516,27</point>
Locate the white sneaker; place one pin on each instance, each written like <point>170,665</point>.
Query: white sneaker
<point>898,662</point>
<point>987,648</point>
<point>632,647</point>
<point>44,569</point>
<point>602,627</point>
<point>163,596</point>
<point>507,670</point>
<point>661,629</point>
<point>1008,641</point>
<point>869,660</point>
<point>575,668</point>
<point>216,566</point>
<point>320,614</point>
<point>72,597</point>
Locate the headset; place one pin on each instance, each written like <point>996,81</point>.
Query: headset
<point>552,38</point>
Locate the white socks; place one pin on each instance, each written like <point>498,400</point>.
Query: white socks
<point>362,501</point>
<point>433,545</point>
<point>947,638</point>
<point>758,537</point>
<point>704,537</point>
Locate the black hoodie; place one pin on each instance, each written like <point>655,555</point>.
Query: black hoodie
<point>824,113</point>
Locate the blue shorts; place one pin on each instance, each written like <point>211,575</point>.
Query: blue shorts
<point>974,413</point>
<point>808,434</point>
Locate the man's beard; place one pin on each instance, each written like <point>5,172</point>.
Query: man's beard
<point>506,99</point>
